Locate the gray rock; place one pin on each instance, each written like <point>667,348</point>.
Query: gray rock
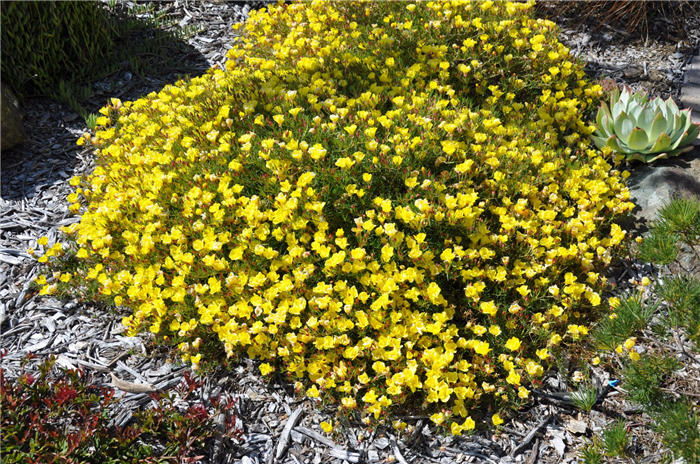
<point>633,72</point>
<point>10,119</point>
<point>653,186</point>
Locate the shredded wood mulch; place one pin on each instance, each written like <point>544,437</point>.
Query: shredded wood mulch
<point>277,425</point>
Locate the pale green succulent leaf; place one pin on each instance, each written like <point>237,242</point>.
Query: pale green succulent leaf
<point>614,143</point>
<point>671,105</point>
<point>599,141</point>
<point>637,157</point>
<point>656,157</point>
<point>658,127</point>
<point>638,140</point>
<point>680,126</point>
<point>662,143</point>
<point>603,119</point>
<point>617,110</point>
<point>623,127</point>
<point>635,112</point>
<point>685,139</point>
<point>646,117</point>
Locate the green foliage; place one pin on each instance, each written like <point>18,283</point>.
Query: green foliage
<point>585,397</point>
<point>591,455</point>
<point>45,42</point>
<point>676,420</point>
<point>630,316</point>
<point>615,439</point>
<point>682,293</point>
<point>678,229</point>
<point>91,121</point>
<point>613,443</point>
<point>683,218</point>
<point>661,246</point>
<point>56,48</point>
<point>397,212</point>
<point>679,423</point>
<point>641,130</point>
<point>62,416</point>
<point>642,378</point>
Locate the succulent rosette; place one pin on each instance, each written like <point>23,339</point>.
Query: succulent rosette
<point>643,130</point>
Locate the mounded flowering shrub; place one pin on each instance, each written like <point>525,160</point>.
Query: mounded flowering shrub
<point>393,204</point>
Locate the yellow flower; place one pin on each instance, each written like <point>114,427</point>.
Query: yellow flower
<point>496,419</point>
<point>327,427</point>
<point>513,344</point>
<point>265,368</point>
<point>513,378</point>
<point>481,348</point>
<point>344,162</point>
<point>488,307</point>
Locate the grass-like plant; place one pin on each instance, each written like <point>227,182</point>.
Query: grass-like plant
<point>634,18</point>
<point>585,397</point>
<point>677,230</point>
<point>677,421</point>
<point>630,316</point>
<point>672,244</point>
<point>58,49</point>
<point>390,204</point>
<point>591,454</point>
<point>615,439</point>
<point>612,442</point>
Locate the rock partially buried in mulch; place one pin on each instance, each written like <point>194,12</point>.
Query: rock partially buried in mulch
<point>12,128</point>
<point>653,186</point>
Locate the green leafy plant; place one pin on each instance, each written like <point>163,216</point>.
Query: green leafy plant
<point>679,424</point>
<point>91,121</point>
<point>615,439</point>
<point>676,420</point>
<point>643,130</point>
<point>642,378</point>
<point>45,42</point>
<point>60,415</point>
<point>585,397</point>
<point>591,454</point>
<point>397,213</point>
<point>677,229</point>
<point>630,316</point>
<point>74,43</point>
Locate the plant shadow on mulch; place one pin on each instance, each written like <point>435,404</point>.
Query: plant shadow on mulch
<point>49,154</point>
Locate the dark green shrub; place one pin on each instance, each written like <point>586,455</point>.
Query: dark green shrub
<point>47,42</point>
